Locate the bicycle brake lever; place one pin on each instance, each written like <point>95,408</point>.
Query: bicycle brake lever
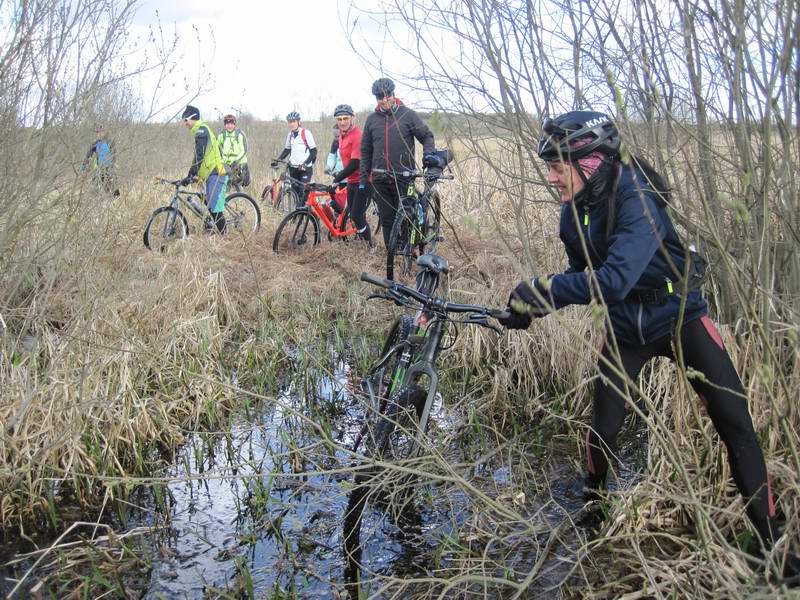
<point>483,322</point>
<point>378,297</point>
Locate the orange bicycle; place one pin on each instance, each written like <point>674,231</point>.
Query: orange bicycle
<point>300,229</point>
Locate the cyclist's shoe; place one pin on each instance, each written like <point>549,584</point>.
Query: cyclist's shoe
<point>372,247</point>
<point>440,238</point>
<point>588,489</point>
<point>208,225</point>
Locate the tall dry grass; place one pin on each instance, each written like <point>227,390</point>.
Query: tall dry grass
<point>110,355</point>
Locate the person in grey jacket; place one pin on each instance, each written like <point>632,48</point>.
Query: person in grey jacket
<point>387,147</point>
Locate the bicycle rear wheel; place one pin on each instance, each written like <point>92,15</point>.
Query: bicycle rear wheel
<point>297,233</point>
<point>373,219</point>
<point>242,214</point>
<point>399,254</point>
<point>389,378</point>
<point>165,226</point>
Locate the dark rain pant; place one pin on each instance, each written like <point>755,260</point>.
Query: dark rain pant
<point>387,194</point>
<point>301,189</point>
<point>721,392</point>
<point>357,202</point>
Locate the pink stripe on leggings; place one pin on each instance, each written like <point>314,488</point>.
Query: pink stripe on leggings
<point>712,331</point>
<point>589,462</point>
<point>770,500</point>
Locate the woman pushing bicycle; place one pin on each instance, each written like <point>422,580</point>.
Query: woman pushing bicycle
<point>207,166</point>
<point>614,221</point>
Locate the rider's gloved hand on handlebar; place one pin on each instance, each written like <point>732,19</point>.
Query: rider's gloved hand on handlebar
<point>188,179</point>
<point>432,161</point>
<point>274,163</point>
<point>525,305</point>
<point>515,320</point>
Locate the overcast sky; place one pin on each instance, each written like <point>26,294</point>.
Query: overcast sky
<point>266,57</point>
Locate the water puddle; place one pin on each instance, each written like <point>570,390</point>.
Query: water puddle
<point>262,506</point>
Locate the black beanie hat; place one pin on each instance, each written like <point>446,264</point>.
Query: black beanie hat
<point>191,112</point>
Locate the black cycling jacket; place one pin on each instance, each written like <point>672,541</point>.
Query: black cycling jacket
<point>387,141</point>
<point>640,253</point>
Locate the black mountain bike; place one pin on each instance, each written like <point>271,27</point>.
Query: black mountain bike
<point>417,226</point>
<point>168,223</point>
<point>402,385</point>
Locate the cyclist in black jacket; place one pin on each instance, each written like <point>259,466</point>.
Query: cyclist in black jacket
<point>387,143</point>
<point>614,221</point>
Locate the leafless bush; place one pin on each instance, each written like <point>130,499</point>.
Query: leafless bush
<point>708,91</point>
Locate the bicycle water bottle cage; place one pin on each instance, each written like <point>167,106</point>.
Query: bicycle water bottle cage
<point>433,262</point>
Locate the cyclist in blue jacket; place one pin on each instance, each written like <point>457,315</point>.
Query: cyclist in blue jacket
<point>100,160</point>
<point>614,222</point>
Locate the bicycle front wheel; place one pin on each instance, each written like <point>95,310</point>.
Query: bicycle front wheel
<point>242,214</point>
<point>433,221</point>
<point>399,254</point>
<point>165,226</point>
<point>396,436</point>
<point>298,232</point>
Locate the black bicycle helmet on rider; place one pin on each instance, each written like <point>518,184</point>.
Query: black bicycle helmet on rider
<point>559,137</point>
<point>293,116</point>
<point>343,110</point>
<point>383,87</point>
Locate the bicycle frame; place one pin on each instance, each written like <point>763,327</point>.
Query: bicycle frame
<point>432,328</point>
<point>316,208</point>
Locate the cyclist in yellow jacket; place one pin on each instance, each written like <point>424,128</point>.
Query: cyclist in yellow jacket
<point>233,147</point>
<point>207,166</point>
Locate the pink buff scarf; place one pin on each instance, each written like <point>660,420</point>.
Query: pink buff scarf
<point>591,162</point>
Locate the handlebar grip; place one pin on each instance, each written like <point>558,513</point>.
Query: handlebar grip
<point>375,280</point>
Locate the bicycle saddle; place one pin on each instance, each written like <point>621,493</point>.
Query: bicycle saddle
<point>433,262</point>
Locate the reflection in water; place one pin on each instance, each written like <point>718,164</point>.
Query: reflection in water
<point>269,504</point>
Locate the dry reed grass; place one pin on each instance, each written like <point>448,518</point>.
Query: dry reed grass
<point>112,354</point>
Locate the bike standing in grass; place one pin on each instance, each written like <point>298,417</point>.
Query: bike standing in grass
<point>100,160</point>
<point>301,149</point>
<point>614,220</point>
<point>233,148</point>
<point>387,144</point>
<point>350,151</point>
<point>207,166</point>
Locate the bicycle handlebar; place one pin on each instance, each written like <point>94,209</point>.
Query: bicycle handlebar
<point>164,181</point>
<point>412,174</point>
<point>401,290</point>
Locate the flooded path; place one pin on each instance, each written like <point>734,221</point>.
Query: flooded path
<point>259,509</point>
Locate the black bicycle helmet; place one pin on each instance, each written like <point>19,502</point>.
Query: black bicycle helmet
<point>343,110</point>
<point>293,116</point>
<point>383,87</point>
<point>559,136</point>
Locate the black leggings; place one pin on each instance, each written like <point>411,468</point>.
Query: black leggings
<point>720,390</point>
<point>357,201</point>
<point>387,197</point>
<point>300,188</point>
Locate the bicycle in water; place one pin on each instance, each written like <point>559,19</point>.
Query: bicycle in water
<point>402,386</point>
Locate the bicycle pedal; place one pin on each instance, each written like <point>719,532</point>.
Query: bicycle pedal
<point>439,238</point>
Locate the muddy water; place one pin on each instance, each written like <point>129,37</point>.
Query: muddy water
<point>264,505</point>
<point>261,506</point>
